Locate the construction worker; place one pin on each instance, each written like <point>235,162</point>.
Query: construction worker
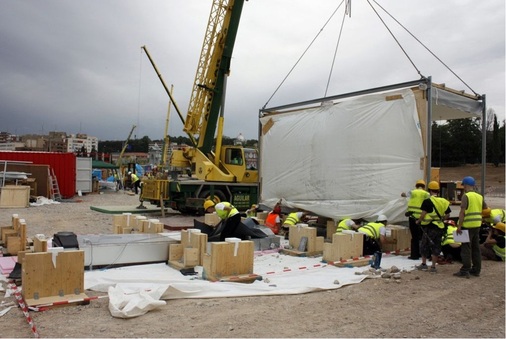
<point>346,224</point>
<point>273,220</point>
<point>450,248</point>
<point>493,216</point>
<point>291,220</point>
<point>413,211</point>
<point>228,213</point>
<point>136,182</point>
<point>493,247</point>
<point>252,212</point>
<point>434,211</point>
<point>470,219</point>
<point>375,235</point>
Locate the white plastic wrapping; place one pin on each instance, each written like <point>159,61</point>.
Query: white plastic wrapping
<point>347,159</point>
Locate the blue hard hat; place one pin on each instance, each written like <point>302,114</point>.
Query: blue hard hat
<point>468,181</point>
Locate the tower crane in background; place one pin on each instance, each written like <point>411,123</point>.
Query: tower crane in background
<point>210,170</point>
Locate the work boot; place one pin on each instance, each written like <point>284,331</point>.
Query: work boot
<point>462,274</point>
<point>422,267</point>
<point>474,273</point>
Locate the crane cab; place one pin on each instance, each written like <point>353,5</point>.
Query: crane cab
<point>240,162</point>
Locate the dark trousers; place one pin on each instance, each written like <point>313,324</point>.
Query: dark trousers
<point>451,253</point>
<point>371,245</point>
<point>416,237</point>
<point>231,224</point>
<point>470,252</point>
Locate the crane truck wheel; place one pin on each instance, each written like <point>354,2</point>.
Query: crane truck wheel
<point>219,196</point>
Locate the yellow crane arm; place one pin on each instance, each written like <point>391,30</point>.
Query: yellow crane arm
<point>207,70</point>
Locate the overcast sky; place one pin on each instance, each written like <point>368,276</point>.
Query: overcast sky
<point>77,66</point>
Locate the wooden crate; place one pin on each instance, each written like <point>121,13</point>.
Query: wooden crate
<point>331,228</point>
<point>314,244</point>
<point>15,196</point>
<point>344,246</point>
<point>231,260</point>
<point>401,235</point>
<point>190,252</point>
<point>45,282</point>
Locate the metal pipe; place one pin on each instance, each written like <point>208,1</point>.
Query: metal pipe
<point>483,144</point>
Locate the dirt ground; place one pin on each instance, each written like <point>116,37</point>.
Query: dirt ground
<point>419,304</point>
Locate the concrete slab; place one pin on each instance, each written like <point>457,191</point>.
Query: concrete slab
<point>126,209</point>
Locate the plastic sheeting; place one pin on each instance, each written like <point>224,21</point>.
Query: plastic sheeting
<point>347,159</point>
<point>135,290</point>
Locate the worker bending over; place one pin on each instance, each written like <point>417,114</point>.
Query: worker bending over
<point>346,224</point>
<point>273,220</point>
<point>228,214</point>
<point>291,220</point>
<point>375,235</point>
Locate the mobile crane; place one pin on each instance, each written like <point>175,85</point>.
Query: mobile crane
<point>222,173</point>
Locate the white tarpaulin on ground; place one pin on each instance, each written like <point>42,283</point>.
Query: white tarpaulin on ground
<point>347,159</point>
<point>134,290</point>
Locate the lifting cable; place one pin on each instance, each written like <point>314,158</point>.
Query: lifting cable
<point>347,11</point>
<point>435,56</point>
<point>300,58</point>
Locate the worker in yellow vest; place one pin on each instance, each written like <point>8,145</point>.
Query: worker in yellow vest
<point>493,247</point>
<point>375,235</point>
<point>291,220</point>
<point>434,211</point>
<point>493,216</point>
<point>228,213</point>
<point>413,211</point>
<point>346,224</point>
<point>136,182</point>
<point>470,219</point>
<point>450,248</point>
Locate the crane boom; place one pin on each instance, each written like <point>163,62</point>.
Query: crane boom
<point>214,65</point>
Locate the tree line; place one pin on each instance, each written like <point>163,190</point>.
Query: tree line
<point>454,143</point>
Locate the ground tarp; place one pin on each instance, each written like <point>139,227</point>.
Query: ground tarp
<point>352,158</point>
<point>281,274</point>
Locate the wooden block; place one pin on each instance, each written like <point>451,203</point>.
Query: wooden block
<point>175,252</point>
<point>401,235</point>
<point>211,219</point>
<point>352,263</point>
<point>15,196</point>
<point>151,226</point>
<point>191,257</point>
<point>262,215</point>
<point>43,279</point>
<point>344,246</point>
<point>314,246</point>
<point>331,228</point>
<point>7,231</point>
<point>14,245</point>
<point>39,244</point>
<point>228,259</point>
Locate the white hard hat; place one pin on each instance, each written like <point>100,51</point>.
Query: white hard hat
<point>129,172</point>
<point>381,217</point>
<point>349,223</point>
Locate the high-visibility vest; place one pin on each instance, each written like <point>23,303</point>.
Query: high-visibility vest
<point>342,226</point>
<point>448,237</point>
<point>270,222</point>
<point>496,213</point>
<point>416,197</point>
<point>440,205</point>
<point>292,219</point>
<point>472,217</point>
<point>224,214</point>
<point>498,250</point>
<point>372,229</point>
<point>134,177</point>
